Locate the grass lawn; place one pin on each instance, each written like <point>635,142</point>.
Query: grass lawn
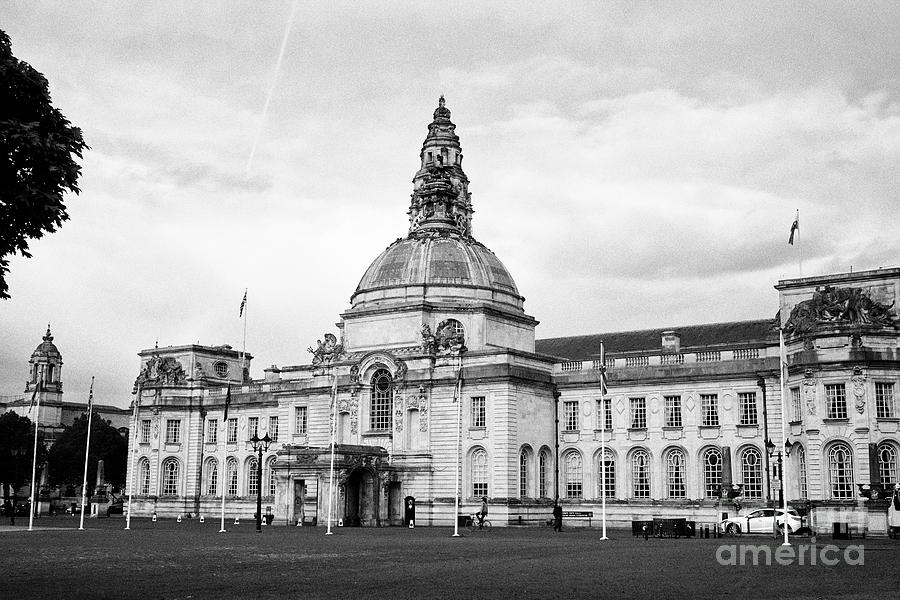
<point>192,560</point>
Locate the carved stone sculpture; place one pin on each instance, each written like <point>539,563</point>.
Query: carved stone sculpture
<point>859,389</point>
<point>832,306</point>
<point>327,351</point>
<point>161,371</point>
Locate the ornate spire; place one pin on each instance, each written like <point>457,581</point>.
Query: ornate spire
<point>47,336</point>
<point>440,199</point>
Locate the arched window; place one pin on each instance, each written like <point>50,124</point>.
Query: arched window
<point>712,473</point>
<point>252,478</point>
<point>382,401</point>
<point>212,477</point>
<point>543,473</point>
<point>144,477</point>
<point>840,472</point>
<point>573,464</point>
<point>232,480</point>
<point>479,473</point>
<point>523,473</point>
<point>271,469</point>
<point>640,474</point>
<point>751,473</point>
<point>801,466</point>
<point>887,463</point>
<point>675,474</point>
<point>606,472</point>
<point>170,477</point>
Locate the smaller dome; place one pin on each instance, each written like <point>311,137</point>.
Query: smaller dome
<point>46,349</point>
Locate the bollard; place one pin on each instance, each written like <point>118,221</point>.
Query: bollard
<point>201,518</point>
<point>178,519</point>
<point>300,522</point>
<point>412,524</point>
<point>154,517</point>
<point>237,521</point>
<point>340,522</point>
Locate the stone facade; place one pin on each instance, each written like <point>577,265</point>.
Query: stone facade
<point>435,365</point>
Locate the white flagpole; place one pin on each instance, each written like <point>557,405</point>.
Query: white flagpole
<point>334,415</point>
<point>603,435</point>
<point>458,399</point>
<point>244,310</point>
<point>223,469</point>
<point>134,441</point>
<point>799,246</point>
<point>37,419</point>
<point>87,451</point>
<point>784,466</point>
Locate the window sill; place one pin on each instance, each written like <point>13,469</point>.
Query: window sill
<point>836,421</point>
<point>795,422</point>
<point>749,425</point>
<point>637,429</point>
<point>887,419</point>
<point>378,433</point>
<point>673,427</point>
<point>710,426</point>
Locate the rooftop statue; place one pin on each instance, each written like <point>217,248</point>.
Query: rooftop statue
<point>832,306</point>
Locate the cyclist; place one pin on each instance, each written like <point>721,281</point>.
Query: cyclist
<point>483,513</point>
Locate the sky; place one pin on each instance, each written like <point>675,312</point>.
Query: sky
<point>634,165</point>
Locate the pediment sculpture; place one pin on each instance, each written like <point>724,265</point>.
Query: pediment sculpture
<point>327,351</point>
<point>831,306</point>
<point>161,371</point>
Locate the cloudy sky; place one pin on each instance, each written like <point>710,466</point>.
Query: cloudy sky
<point>634,165</point>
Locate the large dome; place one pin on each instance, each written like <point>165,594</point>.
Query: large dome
<point>439,260</point>
<point>437,266</point>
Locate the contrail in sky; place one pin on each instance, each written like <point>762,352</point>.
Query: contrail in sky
<point>262,124</point>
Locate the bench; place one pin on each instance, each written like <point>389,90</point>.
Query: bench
<point>579,514</point>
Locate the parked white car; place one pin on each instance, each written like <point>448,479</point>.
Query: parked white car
<point>760,521</point>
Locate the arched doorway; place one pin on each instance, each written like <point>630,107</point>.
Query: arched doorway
<point>360,500</point>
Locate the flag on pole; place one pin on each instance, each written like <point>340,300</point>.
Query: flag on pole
<point>227,403</point>
<point>603,387</point>
<point>243,304</point>
<point>37,389</point>
<point>795,226</point>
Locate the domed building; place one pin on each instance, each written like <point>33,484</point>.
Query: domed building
<point>437,395</point>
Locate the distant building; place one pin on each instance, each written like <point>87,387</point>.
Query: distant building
<point>436,347</point>
<point>45,367</point>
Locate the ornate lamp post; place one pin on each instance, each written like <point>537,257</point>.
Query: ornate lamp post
<point>259,445</point>
<point>770,450</point>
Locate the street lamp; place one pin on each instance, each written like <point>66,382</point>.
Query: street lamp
<point>770,450</point>
<point>259,445</point>
<point>16,452</point>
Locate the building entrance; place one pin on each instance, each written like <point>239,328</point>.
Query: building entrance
<point>360,499</point>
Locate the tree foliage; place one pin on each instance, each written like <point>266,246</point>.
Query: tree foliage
<point>17,451</point>
<point>66,460</point>
<point>38,146</point>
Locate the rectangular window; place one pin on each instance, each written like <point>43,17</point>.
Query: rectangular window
<point>884,400</point>
<point>145,431</point>
<point>638,413</point>
<point>796,404</point>
<point>300,420</point>
<point>604,414</point>
<point>673,411</point>
<point>232,430</point>
<point>273,428</point>
<point>252,427</point>
<point>709,406</point>
<point>173,431</point>
<point>212,431</point>
<point>479,416</point>
<point>836,400</point>
<point>570,415</point>
<point>747,401</point>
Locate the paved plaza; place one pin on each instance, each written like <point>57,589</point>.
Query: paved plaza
<point>192,560</point>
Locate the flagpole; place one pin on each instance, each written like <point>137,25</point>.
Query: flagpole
<point>334,414</point>
<point>603,435</point>
<point>37,419</point>
<point>224,475</point>
<point>134,440</point>
<point>458,399</point>
<point>87,451</point>
<point>784,466</point>
<point>799,245</point>
<point>244,310</point>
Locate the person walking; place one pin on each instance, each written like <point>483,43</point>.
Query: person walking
<point>557,517</point>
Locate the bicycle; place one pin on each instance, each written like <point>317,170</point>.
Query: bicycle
<point>473,525</point>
